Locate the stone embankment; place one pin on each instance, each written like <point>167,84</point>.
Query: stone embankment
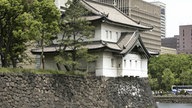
<point>60,91</point>
<point>174,99</point>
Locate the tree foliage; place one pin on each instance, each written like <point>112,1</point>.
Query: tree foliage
<point>22,21</point>
<point>15,27</point>
<point>171,69</point>
<point>46,13</point>
<point>75,31</point>
<point>167,79</point>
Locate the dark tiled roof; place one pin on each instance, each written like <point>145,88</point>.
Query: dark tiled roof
<point>129,42</point>
<point>112,14</point>
<point>90,46</point>
<point>91,18</point>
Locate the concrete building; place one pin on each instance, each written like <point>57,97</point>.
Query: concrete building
<point>185,39</point>
<point>170,42</point>
<point>169,45</point>
<point>168,50</point>
<point>163,17</point>
<point>144,13</point>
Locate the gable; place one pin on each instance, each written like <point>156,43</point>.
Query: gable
<point>131,42</point>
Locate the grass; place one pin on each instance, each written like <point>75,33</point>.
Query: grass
<point>40,71</point>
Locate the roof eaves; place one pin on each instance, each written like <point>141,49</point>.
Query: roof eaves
<point>129,26</point>
<point>143,47</point>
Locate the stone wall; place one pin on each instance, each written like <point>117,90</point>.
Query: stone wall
<point>60,91</point>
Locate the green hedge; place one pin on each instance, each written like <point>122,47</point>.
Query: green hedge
<point>40,71</point>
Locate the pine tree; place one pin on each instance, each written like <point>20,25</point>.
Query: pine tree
<point>75,30</point>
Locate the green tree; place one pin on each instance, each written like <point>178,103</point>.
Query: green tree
<point>180,65</point>
<point>15,26</point>
<point>22,21</point>
<point>47,14</point>
<point>167,79</point>
<point>153,83</point>
<point>75,30</point>
<point>186,77</point>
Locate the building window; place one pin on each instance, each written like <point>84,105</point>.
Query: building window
<point>107,34</point>
<point>117,34</point>
<point>110,34</point>
<point>136,63</point>
<point>124,63</point>
<point>112,62</point>
<point>183,33</point>
<point>119,65</point>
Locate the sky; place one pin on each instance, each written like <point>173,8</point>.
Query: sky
<point>178,12</point>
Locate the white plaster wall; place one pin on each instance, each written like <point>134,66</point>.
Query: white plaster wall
<point>119,66</point>
<point>99,65</point>
<point>115,31</point>
<point>144,68</point>
<point>96,37</point>
<point>59,3</point>
<point>97,34</point>
<point>107,65</point>
<point>133,65</point>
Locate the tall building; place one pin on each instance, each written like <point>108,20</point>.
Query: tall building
<point>163,17</point>
<point>170,42</point>
<point>169,45</point>
<point>185,39</point>
<point>144,13</point>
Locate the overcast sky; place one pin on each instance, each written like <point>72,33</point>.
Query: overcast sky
<point>178,12</point>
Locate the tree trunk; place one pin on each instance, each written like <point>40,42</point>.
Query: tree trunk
<point>14,63</point>
<point>4,60</point>
<point>67,68</point>
<point>42,55</point>
<point>58,66</point>
<point>74,60</point>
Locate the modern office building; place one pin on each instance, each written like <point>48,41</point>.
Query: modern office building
<point>144,13</point>
<point>163,17</point>
<point>170,42</point>
<point>169,45</point>
<point>185,39</point>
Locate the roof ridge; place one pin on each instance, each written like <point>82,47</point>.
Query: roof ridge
<point>133,35</point>
<point>112,7</point>
<point>84,1</point>
<point>100,13</point>
<point>102,3</point>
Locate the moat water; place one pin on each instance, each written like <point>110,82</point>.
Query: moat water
<point>173,105</point>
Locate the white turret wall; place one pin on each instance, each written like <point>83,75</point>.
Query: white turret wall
<point>133,65</point>
<point>106,65</point>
